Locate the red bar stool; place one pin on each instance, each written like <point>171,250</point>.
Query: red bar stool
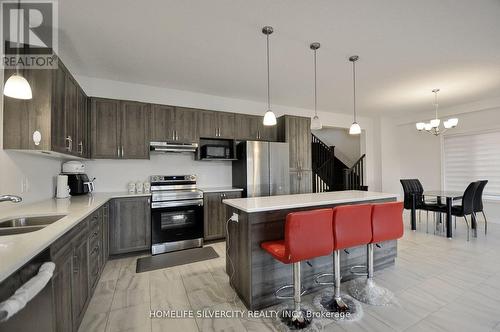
<point>387,224</point>
<point>351,225</point>
<point>308,235</point>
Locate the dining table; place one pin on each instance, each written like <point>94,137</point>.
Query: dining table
<point>440,195</point>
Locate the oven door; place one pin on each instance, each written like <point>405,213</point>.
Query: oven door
<point>176,221</point>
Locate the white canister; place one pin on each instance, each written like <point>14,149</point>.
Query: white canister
<point>62,188</point>
<point>147,187</point>
<point>139,186</point>
<point>131,187</point>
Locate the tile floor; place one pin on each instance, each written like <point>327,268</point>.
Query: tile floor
<point>440,285</point>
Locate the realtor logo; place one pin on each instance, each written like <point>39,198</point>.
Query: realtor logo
<point>29,34</point>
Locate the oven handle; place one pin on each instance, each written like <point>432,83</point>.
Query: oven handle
<point>157,205</point>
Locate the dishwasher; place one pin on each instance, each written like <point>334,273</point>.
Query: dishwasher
<point>38,314</point>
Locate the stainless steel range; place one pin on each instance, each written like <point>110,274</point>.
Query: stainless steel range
<point>176,213</point>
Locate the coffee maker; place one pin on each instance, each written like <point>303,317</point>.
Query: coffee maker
<point>78,181</point>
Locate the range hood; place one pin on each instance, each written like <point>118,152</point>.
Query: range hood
<point>172,147</point>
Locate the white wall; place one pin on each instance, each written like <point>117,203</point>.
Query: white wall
<point>37,172</point>
<point>109,179</point>
<point>114,175</point>
<point>407,153</point>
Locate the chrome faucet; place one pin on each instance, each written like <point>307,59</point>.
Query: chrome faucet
<point>11,198</point>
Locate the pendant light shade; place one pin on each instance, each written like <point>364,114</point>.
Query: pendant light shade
<point>17,87</point>
<point>355,128</point>
<point>269,117</point>
<point>315,122</point>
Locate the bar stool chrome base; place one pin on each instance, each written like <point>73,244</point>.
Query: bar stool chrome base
<point>344,308</point>
<point>295,319</point>
<point>367,291</point>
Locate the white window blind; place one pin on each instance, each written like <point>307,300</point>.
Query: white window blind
<point>470,158</point>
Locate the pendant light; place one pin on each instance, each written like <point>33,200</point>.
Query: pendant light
<point>355,128</point>
<point>17,86</point>
<point>315,122</point>
<point>432,126</point>
<point>269,117</point>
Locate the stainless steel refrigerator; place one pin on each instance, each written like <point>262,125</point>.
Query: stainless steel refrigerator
<point>261,168</point>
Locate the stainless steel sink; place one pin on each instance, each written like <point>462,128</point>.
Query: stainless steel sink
<point>27,224</point>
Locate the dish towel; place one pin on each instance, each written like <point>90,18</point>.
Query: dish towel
<point>26,292</point>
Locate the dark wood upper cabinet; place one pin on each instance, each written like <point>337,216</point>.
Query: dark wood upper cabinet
<point>53,112</point>
<point>174,124</point>
<point>213,124</point>
<point>296,131</point>
<point>186,124</point>
<point>58,123</point>
<point>134,130</point>
<point>119,129</point>
<point>162,123</point>
<point>225,122</point>
<point>82,128</point>
<point>207,124</point>
<point>105,132</point>
<point>251,127</point>
<point>246,126</point>
<point>71,115</point>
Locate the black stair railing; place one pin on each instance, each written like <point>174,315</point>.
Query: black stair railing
<point>354,176</point>
<point>323,164</point>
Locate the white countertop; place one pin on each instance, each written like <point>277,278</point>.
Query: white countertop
<point>282,202</point>
<point>16,250</point>
<point>219,189</point>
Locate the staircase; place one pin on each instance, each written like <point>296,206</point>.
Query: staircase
<point>331,174</point>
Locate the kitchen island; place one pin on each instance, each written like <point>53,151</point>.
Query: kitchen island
<point>255,275</point>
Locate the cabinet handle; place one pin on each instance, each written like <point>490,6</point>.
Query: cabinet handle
<point>94,235</point>
<point>75,264</point>
<point>69,146</point>
<point>95,250</point>
<point>220,133</point>
<point>118,152</point>
<point>80,145</point>
<point>122,151</point>
<point>173,135</point>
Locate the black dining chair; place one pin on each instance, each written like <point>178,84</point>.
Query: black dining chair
<point>467,206</point>
<point>413,187</point>
<point>478,203</point>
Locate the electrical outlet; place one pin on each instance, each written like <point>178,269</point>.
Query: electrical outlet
<point>235,217</point>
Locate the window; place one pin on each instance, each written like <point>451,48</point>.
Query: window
<point>470,158</point>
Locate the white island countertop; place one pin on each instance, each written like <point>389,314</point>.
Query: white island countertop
<point>282,202</point>
<point>16,250</point>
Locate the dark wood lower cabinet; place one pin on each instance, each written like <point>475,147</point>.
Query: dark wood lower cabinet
<point>61,282</point>
<point>129,225</point>
<point>79,263</point>
<point>80,279</point>
<point>214,213</point>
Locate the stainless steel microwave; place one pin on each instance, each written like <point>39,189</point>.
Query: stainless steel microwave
<point>213,151</point>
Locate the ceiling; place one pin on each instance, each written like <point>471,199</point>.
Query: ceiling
<point>406,49</point>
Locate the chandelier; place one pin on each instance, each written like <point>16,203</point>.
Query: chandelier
<point>433,126</point>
